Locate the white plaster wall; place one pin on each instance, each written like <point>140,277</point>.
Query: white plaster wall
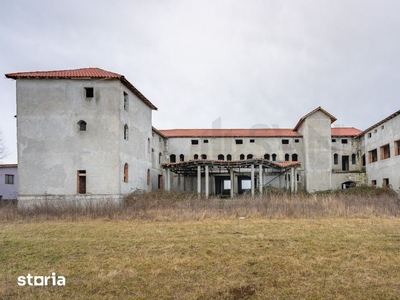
<point>386,133</point>
<point>157,146</point>
<point>8,191</point>
<point>51,148</point>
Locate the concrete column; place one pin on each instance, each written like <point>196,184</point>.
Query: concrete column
<point>295,180</point>
<point>168,179</point>
<point>232,182</point>
<point>198,180</point>
<point>207,183</point>
<point>292,180</point>
<point>260,179</point>
<point>252,181</point>
<point>287,180</point>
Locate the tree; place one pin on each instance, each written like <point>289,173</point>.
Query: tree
<point>3,149</point>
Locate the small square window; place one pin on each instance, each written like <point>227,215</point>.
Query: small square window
<point>333,140</point>
<point>296,140</point>
<point>239,142</point>
<point>205,141</point>
<point>285,142</point>
<point>344,141</point>
<point>89,92</point>
<point>251,140</point>
<point>369,134</point>
<point>9,179</point>
<point>195,142</point>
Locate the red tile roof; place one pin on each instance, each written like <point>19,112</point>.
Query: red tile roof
<point>345,131</point>
<point>264,132</point>
<point>85,73</point>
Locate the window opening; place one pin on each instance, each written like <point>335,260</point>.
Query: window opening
<point>181,157</point>
<point>205,141</point>
<point>241,156</point>
<point>229,157</point>
<point>203,156</point>
<point>9,179</point>
<point>126,131</point>
<point>148,176</point>
<point>221,157</point>
<point>239,142</point>
<point>295,157</point>
<point>89,92</point>
<point>385,182</point>
<point>172,158</point>
<point>372,156</point>
<point>252,140</point>
<point>81,181</point>
<point>353,159</point>
<point>287,156</point>
<point>397,147</point>
<point>385,152</point>
<point>196,156</point>
<point>373,182</point>
<point>335,159</point>
<point>267,156</point>
<point>333,140</point>
<point>126,173</point>
<point>195,142</point>
<point>285,142</point>
<point>296,140</point>
<point>126,102</point>
<point>274,157</point>
<point>82,125</point>
<point>344,141</point>
<point>345,163</point>
<point>249,156</point>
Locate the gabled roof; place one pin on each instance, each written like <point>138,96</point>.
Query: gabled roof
<point>158,132</point>
<point>319,108</point>
<point>345,131</point>
<point>85,73</point>
<point>380,123</point>
<point>259,132</point>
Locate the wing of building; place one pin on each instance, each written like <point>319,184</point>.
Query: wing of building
<point>87,133</point>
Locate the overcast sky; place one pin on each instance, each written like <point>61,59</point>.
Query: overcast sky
<point>250,63</point>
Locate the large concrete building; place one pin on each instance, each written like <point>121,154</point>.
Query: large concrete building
<point>87,133</point>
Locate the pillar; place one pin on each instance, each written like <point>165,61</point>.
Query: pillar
<point>207,182</point>
<point>232,182</point>
<point>295,180</point>
<point>260,179</point>
<point>292,179</point>
<point>252,181</point>
<point>168,179</point>
<point>198,180</point>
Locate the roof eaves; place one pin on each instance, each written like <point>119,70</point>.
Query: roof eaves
<point>319,108</point>
<point>379,123</point>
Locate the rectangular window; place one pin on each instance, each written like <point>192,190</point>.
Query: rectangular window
<point>345,163</point>
<point>89,92</point>
<point>126,101</point>
<point>81,182</point>
<point>9,179</point>
<point>285,142</point>
<point>373,182</point>
<point>251,140</point>
<point>205,141</point>
<point>385,182</point>
<point>344,141</point>
<point>239,142</point>
<point>369,134</point>
<point>372,156</point>
<point>385,152</point>
<point>333,140</point>
<point>363,160</point>
<point>296,140</point>
<point>397,147</point>
<point>195,142</point>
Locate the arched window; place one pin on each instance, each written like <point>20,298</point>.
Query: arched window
<point>160,158</point>
<point>353,159</point>
<point>287,156</point>
<point>126,130</point>
<point>249,156</point>
<point>181,157</point>
<point>172,158</point>
<point>221,157</point>
<point>196,156</point>
<point>203,156</point>
<point>126,173</point>
<point>267,156</point>
<point>82,125</point>
<point>274,157</point>
<point>229,157</point>
<point>241,156</point>
<point>148,176</point>
<point>335,159</point>
<point>295,157</point>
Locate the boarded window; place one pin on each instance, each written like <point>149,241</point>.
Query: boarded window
<point>89,92</point>
<point>81,182</point>
<point>385,152</point>
<point>372,156</point>
<point>126,173</point>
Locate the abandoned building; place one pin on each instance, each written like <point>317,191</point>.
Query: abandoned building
<point>87,133</point>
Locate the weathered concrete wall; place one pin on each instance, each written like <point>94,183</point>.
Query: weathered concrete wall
<point>386,133</point>
<point>51,148</point>
<point>317,159</point>
<point>158,149</point>
<point>8,191</point>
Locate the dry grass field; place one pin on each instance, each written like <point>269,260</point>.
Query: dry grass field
<point>181,248</point>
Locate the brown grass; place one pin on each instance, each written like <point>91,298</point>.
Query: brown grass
<point>161,205</point>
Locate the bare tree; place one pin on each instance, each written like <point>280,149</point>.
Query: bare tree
<point>3,149</point>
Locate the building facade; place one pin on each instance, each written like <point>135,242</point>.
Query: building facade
<point>8,182</point>
<point>87,133</point>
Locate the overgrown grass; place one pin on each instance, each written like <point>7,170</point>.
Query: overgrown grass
<point>252,258</point>
<point>161,205</point>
